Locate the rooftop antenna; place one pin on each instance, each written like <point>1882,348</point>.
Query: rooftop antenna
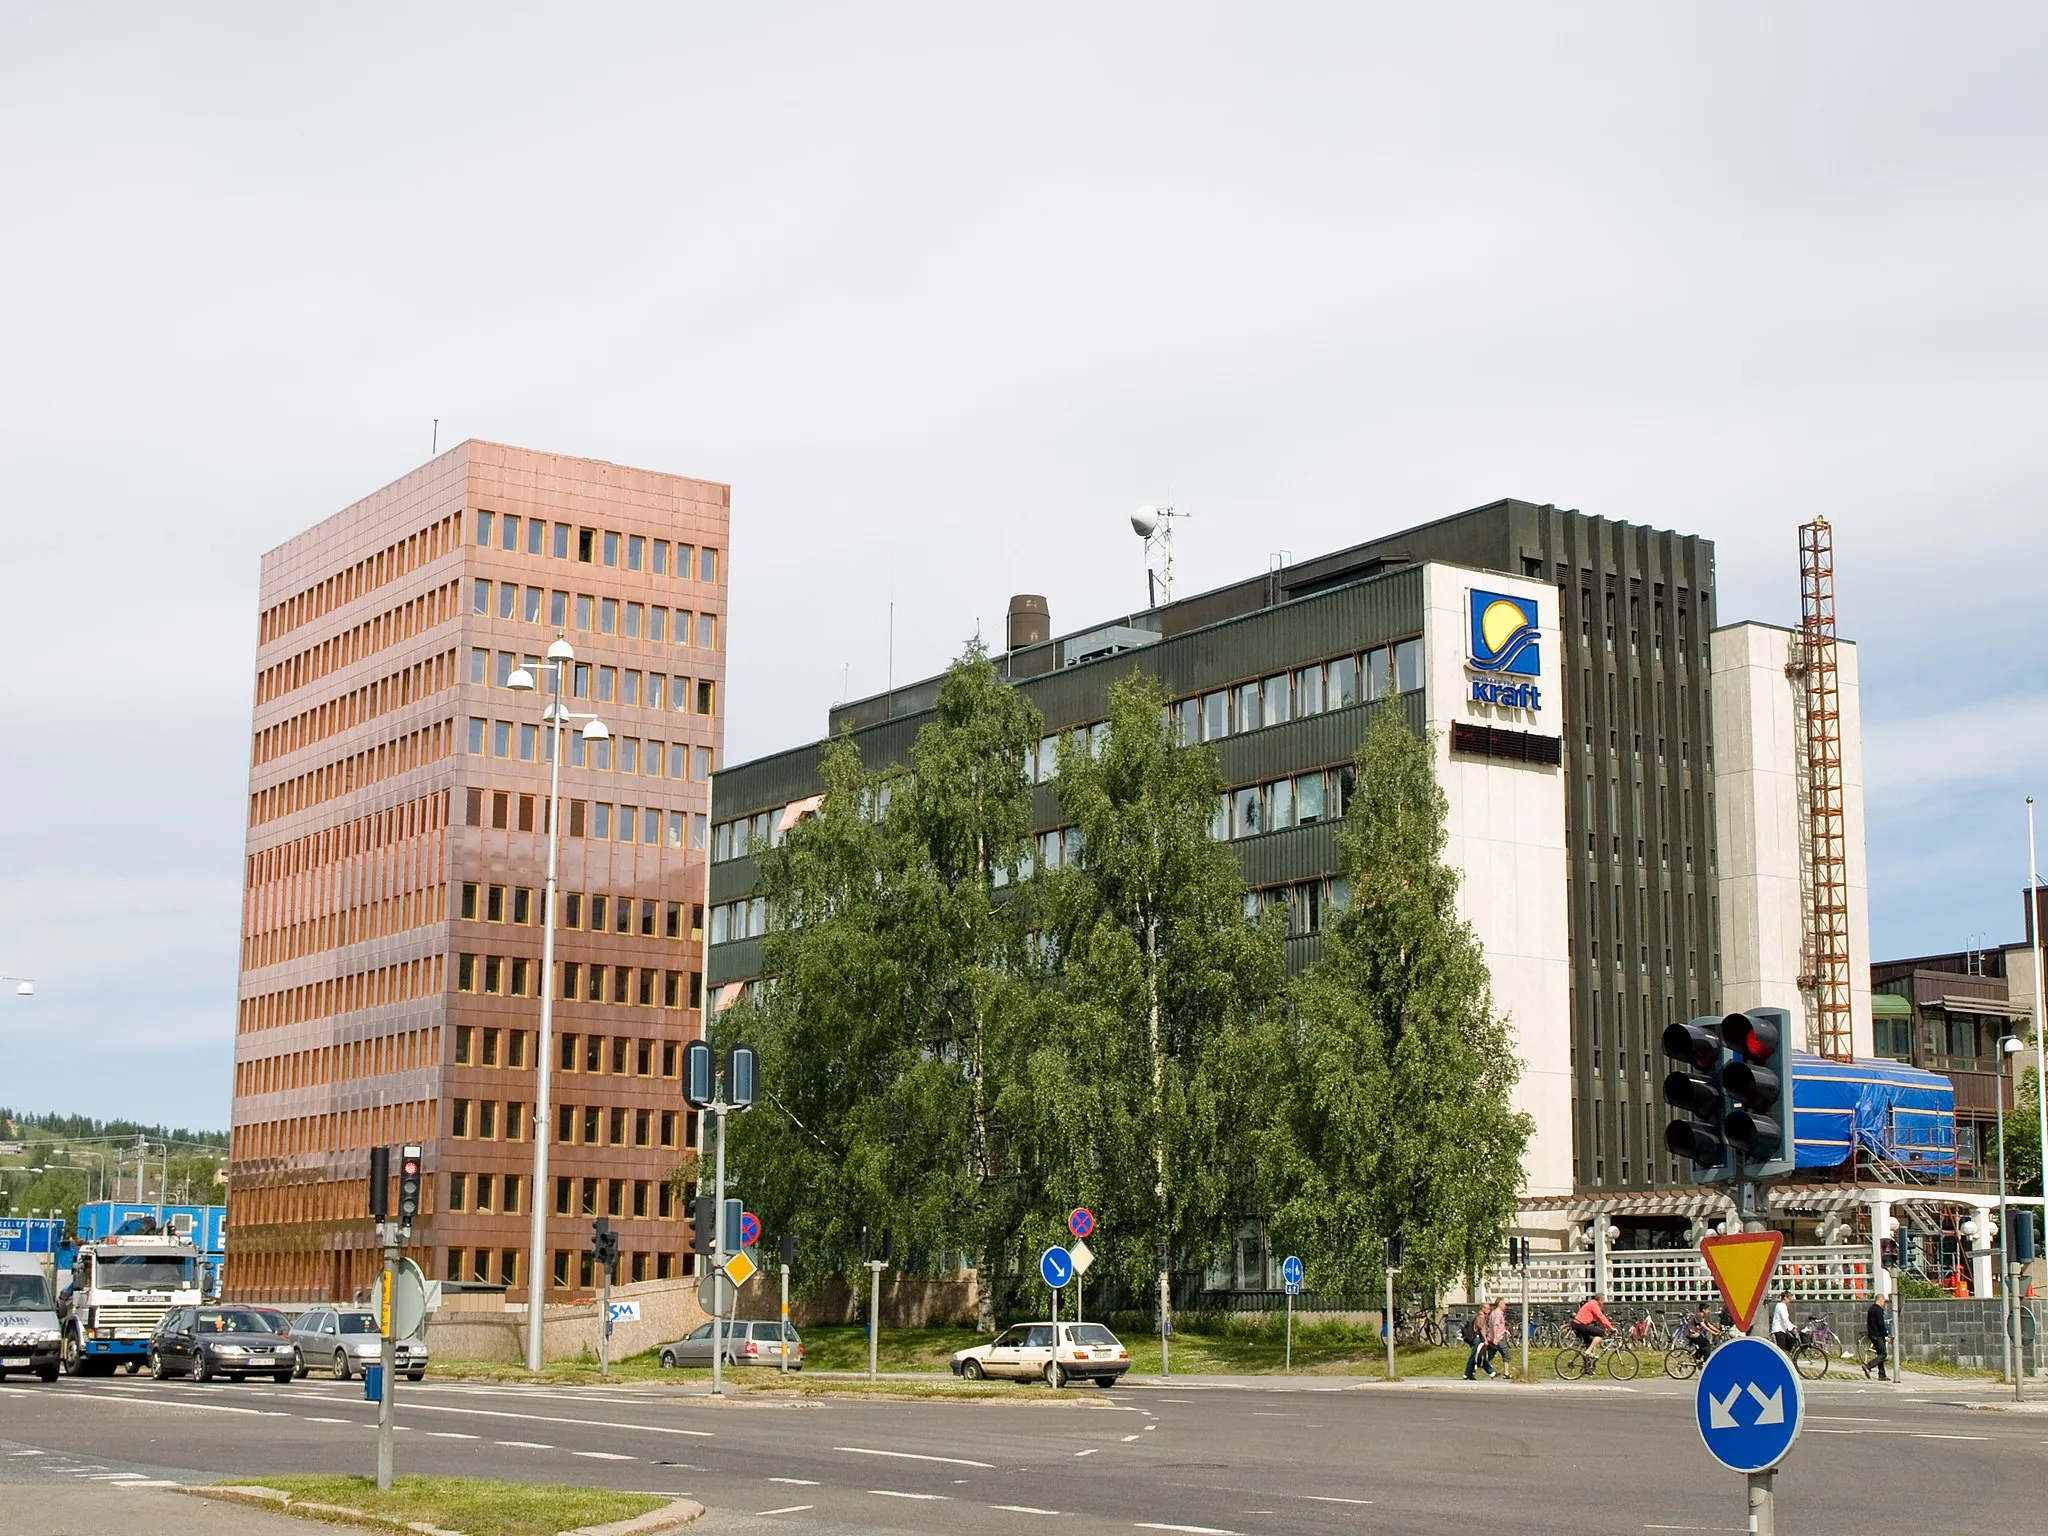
<point>431,452</point>
<point>1155,526</point>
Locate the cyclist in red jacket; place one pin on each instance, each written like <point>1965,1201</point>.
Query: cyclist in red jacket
<point>1591,1324</point>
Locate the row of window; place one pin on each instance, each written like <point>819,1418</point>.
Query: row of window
<point>358,770</point>
<point>595,546</point>
<point>1312,690</point>
<point>1306,904</point>
<point>380,1125</point>
<point>650,1199</point>
<point>519,741</point>
<point>653,622</point>
<point>613,1125</point>
<point>623,985</point>
<point>378,1056</point>
<point>601,684</point>
<point>733,920</point>
<point>366,575</point>
<point>365,834</point>
<point>351,925</point>
<point>413,617</point>
<point>633,1266</point>
<point>605,914</point>
<point>372,988</point>
<point>484,1193</point>
<point>603,821</point>
<point>420,680</point>
<point>588,1054</point>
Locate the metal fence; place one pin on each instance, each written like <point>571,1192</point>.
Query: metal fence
<point>1671,1277</point>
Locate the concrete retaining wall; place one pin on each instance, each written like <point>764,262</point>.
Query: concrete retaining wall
<point>668,1310</point>
<point>1967,1333</point>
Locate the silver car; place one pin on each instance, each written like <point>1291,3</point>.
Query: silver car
<point>342,1340</point>
<point>746,1343</point>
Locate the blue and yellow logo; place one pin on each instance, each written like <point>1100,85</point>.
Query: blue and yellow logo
<point>1504,634</point>
<point>1504,644</point>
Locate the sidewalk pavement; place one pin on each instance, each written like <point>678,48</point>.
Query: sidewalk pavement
<point>73,1509</point>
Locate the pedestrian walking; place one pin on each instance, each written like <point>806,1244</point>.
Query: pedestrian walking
<point>1475,1340</point>
<point>1877,1327</point>
<point>1496,1336</point>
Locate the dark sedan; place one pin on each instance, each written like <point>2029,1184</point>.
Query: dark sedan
<point>235,1342</point>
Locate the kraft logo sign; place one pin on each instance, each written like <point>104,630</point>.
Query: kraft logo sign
<point>1504,645</point>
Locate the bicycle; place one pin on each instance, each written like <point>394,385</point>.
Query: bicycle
<point>1816,1348</point>
<point>1684,1357</point>
<point>1575,1362</point>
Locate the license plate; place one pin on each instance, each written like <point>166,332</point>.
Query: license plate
<point>262,1360</point>
<point>1102,1354</point>
<point>15,1360</point>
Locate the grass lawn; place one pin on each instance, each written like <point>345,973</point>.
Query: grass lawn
<point>475,1506</point>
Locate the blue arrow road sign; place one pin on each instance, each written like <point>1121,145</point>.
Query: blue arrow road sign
<point>1056,1265</point>
<point>1290,1272</point>
<point>1749,1405</point>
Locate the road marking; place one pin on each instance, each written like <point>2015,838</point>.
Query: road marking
<point>311,1420</point>
<point>26,1453</point>
<point>1127,1439</point>
<point>787,1509</point>
<point>1331,1498</point>
<point>524,1445</point>
<point>148,1482</point>
<point>448,1434</point>
<point>951,1461</point>
<point>602,1455</point>
<point>1199,1530</point>
<point>891,1493</point>
<point>1024,1509</point>
<point>1089,1452</point>
<point>796,1482</point>
<point>539,1418</point>
<point>108,1477</point>
<point>1950,1437</point>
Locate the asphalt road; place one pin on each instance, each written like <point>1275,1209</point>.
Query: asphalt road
<point>1264,1455</point>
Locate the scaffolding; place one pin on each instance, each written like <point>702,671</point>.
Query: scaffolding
<point>1826,839</point>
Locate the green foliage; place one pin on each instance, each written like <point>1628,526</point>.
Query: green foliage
<point>901,983</point>
<point>86,1128</point>
<point>1127,1090</point>
<point>2022,1138</point>
<point>1393,1106</point>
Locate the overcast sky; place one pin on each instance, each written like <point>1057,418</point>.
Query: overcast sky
<point>944,292</point>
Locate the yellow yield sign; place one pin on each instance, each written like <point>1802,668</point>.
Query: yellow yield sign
<point>1741,1264</point>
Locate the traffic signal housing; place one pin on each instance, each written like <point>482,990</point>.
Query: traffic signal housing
<point>1696,1089</point>
<point>380,1183</point>
<point>703,1225</point>
<point>409,1160</point>
<point>604,1243</point>
<point>1757,1120</point>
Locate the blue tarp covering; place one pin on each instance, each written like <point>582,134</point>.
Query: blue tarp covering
<point>1885,1108</point>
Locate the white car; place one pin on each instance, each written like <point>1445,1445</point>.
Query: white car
<point>1025,1351</point>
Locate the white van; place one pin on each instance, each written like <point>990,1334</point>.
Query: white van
<point>28,1322</point>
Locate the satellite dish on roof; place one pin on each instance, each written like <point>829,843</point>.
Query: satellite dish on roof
<point>1145,522</point>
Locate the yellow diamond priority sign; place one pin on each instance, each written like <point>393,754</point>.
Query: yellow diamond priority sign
<point>1741,1264</point>
<point>739,1268</point>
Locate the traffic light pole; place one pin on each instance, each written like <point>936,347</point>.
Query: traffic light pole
<point>1525,1317</point>
<point>785,1319</point>
<point>604,1332</point>
<point>388,1354</point>
<point>718,1262</point>
<point>1389,1324</point>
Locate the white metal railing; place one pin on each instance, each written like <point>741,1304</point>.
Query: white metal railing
<point>1672,1277</point>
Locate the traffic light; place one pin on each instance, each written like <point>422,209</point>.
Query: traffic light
<point>789,1250</point>
<point>408,1184</point>
<point>1159,1257</point>
<point>1753,1084</point>
<point>1396,1247</point>
<point>742,1077</point>
<point>703,1224</point>
<point>2020,1241</point>
<point>1696,1088</point>
<point>604,1243</point>
<point>729,1234</point>
<point>699,1089</point>
<point>380,1183</point>
<point>1518,1253</point>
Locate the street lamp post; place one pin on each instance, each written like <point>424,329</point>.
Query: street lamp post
<point>556,716</point>
<point>2040,1039</point>
<point>2015,1351</point>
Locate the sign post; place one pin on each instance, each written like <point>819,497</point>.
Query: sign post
<point>1080,1222</point>
<point>1290,1276</point>
<point>1750,1406</point>
<point>707,1090</point>
<point>1055,1268</point>
<point>388,1356</point>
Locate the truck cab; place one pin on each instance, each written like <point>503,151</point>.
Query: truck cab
<point>29,1340</point>
<point>120,1289</point>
